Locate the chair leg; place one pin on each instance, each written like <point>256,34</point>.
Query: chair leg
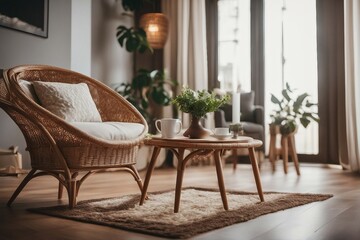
<point>72,192</point>
<point>60,190</point>
<point>21,186</point>
<point>234,158</point>
<point>136,176</point>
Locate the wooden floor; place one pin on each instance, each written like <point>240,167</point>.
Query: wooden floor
<point>336,218</point>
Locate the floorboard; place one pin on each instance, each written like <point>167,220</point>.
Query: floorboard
<point>336,218</point>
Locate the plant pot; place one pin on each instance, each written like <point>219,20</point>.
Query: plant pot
<point>196,130</point>
<point>283,130</point>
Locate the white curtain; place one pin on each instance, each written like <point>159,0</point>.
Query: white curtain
<point>351,158</point>
<point>185,55</point>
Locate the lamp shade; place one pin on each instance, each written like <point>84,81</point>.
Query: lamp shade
<point>156,26</point>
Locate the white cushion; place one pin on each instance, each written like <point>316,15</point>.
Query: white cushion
<point>29,90</point>
<point>72,102</point>
<point>110,130</point>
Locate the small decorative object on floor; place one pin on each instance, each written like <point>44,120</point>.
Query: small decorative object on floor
<point>236,129</point>
<point>198,104</point>
<point>10,161</point>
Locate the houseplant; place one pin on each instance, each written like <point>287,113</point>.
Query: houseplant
<point>292,110</point>
<point>148,87</point>
<point>198,104</point>
<point>133,39</point>
<point>145,88</point>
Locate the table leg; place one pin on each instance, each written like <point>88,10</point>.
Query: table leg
<point>220,177</point>
<point>234,158</point>
<point>151,167</point>
<point>256,172</point>
<point>179,179</point>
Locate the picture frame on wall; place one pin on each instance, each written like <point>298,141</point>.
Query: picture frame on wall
<point>26,16</point>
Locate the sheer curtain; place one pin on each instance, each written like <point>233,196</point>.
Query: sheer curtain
<point>350,157</point>
<point>185,54</point>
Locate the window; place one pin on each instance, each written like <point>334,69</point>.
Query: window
<point>234,62</point>
<point>290,34</point>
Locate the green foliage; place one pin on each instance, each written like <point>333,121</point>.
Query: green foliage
<point>291,110</point>
<point>147,86</point>
<point>135,5</point>
<point>132,5</point>
<point>198,103</point>
<point>133,39</point>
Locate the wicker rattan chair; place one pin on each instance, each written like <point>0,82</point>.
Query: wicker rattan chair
<point>57,148</point>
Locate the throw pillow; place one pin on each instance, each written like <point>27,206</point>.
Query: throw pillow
<point>71,102</point>
<point>247,106</point>
<point>29,90</point>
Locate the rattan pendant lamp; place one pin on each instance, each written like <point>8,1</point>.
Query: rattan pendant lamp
<point>156,26</point>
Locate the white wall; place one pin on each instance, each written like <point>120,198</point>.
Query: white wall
<point>81,36</point>
<point>111,64</point>
<point>71,44</point>
<point>21,48</point>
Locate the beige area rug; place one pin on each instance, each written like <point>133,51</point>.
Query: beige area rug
<point>201,210</point>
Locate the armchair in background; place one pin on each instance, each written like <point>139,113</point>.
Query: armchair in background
<point>252,119</point>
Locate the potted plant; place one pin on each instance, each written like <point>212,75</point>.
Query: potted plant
<point>147,87</point>
<point>292,110</point>
<point>198,104</point>
<point>133,39</point>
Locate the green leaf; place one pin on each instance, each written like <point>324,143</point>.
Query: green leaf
<point>121,39</point>
<point>309,104</point>
<point>144,103</point>
<point>275,99</point>
<point>315,117</point>
<point>133,39</point>
<point>132,5</point>
<point>160,96</point>
<point>285,95</point>
<point>288,87</point>
<point>304,121</point>
<point>131,44</point>
<point>299,100</point>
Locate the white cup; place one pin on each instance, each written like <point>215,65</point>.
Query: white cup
<point>168,127</point>
<point>221,131</point>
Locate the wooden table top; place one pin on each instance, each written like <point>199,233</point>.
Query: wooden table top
<point>206,143</point>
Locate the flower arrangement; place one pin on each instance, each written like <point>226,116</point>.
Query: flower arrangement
<point>199,103</point>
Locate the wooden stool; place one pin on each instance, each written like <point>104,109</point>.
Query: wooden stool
<point>287,147</point>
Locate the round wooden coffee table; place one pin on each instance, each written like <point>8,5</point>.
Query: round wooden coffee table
<point>210,145</point>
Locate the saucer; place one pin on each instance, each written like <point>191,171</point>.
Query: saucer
<point>221,136</point>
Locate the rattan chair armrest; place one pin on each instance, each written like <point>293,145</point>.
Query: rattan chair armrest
<point>8,106</point>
